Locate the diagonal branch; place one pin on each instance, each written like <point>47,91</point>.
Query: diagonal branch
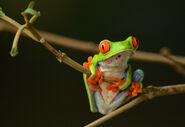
<point>149,93</point>
<point>32,33</point>
<point>88,46</point>
<point>176,64</point>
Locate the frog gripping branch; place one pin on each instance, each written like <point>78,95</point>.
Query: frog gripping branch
<point>112,63</point>
<point>108,77</point>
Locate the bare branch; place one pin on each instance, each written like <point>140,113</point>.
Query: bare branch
<point>92,47</point>
<point>32,33</point>
<point>148,94</point>
<point>175,64</point>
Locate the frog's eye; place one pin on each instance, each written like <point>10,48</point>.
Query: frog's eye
<point>104,46</point>
<point>135,42</point>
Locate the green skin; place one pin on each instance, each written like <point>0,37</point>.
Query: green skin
<point>115,48</point>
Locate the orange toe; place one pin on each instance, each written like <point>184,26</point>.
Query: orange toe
<point>101,80</point>
<point>136,88</point>
<point>128,93</point>
<point>86,65</point>
<point>140,90</point>
<point>108,87</point>
<point>114,90</point>
<point>134,93</point>
<point>89,59</point>
<point>114,79</point>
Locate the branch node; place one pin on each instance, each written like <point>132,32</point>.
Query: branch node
<point>60,56</point>
<point>150,86</point>
<point>165,51</point>
<point>42,40</point>
<point>176,64</point>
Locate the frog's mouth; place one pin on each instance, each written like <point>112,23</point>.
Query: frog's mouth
<point>127,52</point>
<point>118,58</point>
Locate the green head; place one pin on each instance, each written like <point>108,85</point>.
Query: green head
<point>108,48</point>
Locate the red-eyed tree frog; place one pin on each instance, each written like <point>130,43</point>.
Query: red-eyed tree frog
<point>112,64</point>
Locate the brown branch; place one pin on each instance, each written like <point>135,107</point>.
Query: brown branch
<point>53,38</point>
<point>175,64</point>
<point>32,33</point>
<point>91,47</point>
<point>149,93</point>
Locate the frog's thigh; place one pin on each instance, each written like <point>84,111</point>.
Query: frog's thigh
<point>138,75</point>
<point>107,108</point>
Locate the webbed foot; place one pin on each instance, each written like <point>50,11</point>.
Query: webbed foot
<point>136,85</point>
<point>115,87</point>
<point>135,89</point>
<point>87,64</point>
<point>97,79</point>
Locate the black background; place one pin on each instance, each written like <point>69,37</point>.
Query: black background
<point>38,91</point>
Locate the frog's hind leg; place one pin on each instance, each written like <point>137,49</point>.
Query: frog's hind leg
<point>136,84</point>
<point>104,108</point>
<point>138,76</point>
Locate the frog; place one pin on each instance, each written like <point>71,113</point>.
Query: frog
<point>111,81</point>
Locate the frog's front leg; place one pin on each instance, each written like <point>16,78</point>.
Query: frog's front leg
<point>136,85</point>
<point>122,84</point>
<point>95,79</point>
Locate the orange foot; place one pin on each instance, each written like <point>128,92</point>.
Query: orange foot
<point>114,87</point>
<point>135,89</point>
<point>97,79</point>
<point>87,64</point>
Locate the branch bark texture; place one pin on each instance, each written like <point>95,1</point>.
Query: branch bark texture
<point>148,94</point>
<point>88,46</point>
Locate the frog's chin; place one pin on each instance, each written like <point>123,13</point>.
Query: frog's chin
<point>115,65</point>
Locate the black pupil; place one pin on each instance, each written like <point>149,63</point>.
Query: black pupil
<point>103,46</point>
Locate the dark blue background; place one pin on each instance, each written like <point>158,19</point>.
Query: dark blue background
<point>36,90</point>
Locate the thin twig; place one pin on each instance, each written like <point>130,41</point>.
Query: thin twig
<point>15,24</point>
<point>14,50</point>
<point>88,46</point>
<point>175,64</point>
<point>149,93</point>
<point>32,33</point>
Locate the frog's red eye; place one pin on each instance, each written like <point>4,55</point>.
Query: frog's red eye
<point>104,46</point>
<point>135,42</point>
